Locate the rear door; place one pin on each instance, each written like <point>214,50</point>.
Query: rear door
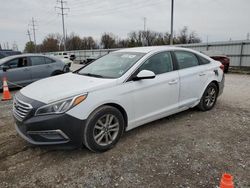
<point>39,68</point>
<point>18,72</point>
<point>193,77</point>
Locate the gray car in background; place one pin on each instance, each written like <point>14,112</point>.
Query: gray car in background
<point>24,69</point>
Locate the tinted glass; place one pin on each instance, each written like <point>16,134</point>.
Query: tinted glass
<point>37,61</point>
<point>17,63</point>
<point>159,63</point>
<point>48,60</point>
<point>203,60</point>
<point>186,59</point>
<point>12,64</point>
<point>112,65</point>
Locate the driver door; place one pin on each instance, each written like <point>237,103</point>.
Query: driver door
<point>18,72</point>
<point>158,97</point>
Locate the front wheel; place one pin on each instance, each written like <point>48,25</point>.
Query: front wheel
<point>209,98</point>
<point>103,129</point>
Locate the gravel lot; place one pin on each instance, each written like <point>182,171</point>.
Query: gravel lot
<point>189,149</point>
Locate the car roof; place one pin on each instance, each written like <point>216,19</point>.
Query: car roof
<point>149,49</point>
<point>3,60</point>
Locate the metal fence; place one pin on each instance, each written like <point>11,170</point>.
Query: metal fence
<point>237,51</point>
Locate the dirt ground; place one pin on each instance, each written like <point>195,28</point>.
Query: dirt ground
<point>189,149</point>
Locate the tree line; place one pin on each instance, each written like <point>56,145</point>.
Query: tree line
<point>54,42</point>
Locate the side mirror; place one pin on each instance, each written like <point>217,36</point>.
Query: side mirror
<point>5,68</point>
<point>145,74</point>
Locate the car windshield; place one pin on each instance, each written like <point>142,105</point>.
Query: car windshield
<point>113,65</point>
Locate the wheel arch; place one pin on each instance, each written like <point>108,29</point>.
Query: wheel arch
<point>212,81</point>
<point>56,72</point>
<point>118,107</point>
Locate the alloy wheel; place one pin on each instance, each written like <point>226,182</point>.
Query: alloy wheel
<point>210,97</point>
<point>106,129</point>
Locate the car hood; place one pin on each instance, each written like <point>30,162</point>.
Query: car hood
<point>63,86</point>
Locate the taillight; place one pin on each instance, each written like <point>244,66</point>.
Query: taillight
<point>222,67</point>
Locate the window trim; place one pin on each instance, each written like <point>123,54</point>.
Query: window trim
<point>53,61</point>
<point>30,57</point>
<point>200,61</point>
<point>177,64</point>
<point>28,62</point>
<point>136,71</point>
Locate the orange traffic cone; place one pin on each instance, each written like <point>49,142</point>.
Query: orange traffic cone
<point>226,181</point>
<point>6,92</point>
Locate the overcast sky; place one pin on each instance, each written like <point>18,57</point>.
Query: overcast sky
<point>219,20</point>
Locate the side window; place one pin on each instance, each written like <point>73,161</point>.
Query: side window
<point>159,63</point>
<point>17,63</point>
<point>12,63</point>
<point>203,60</point>
<point>48,60</point>
<point>186,59</point>
<point>37,60</point>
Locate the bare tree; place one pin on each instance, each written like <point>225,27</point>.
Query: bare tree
<point>108,40</point>
<point>186,37</point>
<point>50,44</point>
<point>88,43</point>
<point>135,38</point>
<point>73,42</point>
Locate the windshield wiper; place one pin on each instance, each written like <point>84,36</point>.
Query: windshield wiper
<point>93,75</point>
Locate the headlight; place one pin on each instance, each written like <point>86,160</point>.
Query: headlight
<point>61,106</point>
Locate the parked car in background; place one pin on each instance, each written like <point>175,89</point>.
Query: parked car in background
<point>218,56</point>
<point>26,68</point>
<point>65,57</point>
<point>117,92</point>
<point>88,60</point>
<point>5,53</point>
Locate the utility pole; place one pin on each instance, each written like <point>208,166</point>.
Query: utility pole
<point>172,22</point>
<point>248,36</point>
<point>34,31</point>
<point>62,8</point>
<point>28,33</point>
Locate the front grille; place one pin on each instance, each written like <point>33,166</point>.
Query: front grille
<point>21,109</point>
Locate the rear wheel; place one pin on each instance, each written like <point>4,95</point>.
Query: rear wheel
<point>209,97</point>
<point>103,129</point>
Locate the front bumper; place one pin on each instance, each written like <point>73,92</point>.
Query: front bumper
<point>50,129</point>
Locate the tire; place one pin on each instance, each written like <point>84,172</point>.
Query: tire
<point>99,135</point>
<point>209,97</point>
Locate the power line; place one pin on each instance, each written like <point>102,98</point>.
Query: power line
<point>101,11</point>
<point>62,8</point>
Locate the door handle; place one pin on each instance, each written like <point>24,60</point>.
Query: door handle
<point>202,74</point>
<point>173,82</point>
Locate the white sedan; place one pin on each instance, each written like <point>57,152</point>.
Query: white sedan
<point>118,92</point>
